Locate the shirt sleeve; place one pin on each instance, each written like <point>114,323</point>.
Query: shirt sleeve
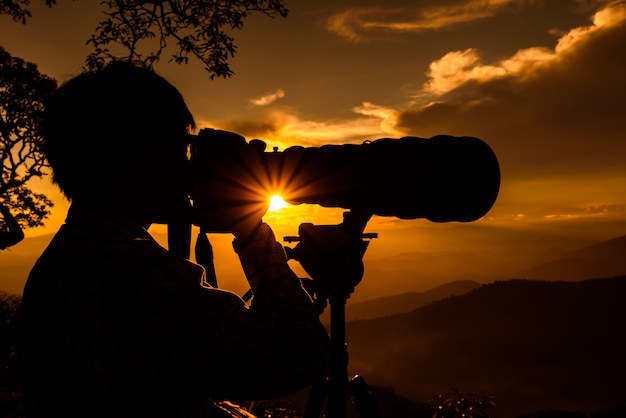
<point>272,347</point>
<point>275,287</point>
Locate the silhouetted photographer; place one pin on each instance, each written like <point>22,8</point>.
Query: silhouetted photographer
<point>117,326</point>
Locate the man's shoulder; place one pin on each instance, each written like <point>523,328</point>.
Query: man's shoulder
<point>98,243</point>
<point>94,250</point>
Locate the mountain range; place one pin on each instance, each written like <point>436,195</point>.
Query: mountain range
<point>605,259</point>
<point>405,302</point>
<point>552,341</point>
<point>532,345</point>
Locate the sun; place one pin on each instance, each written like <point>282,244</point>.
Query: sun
<point>277,203</point>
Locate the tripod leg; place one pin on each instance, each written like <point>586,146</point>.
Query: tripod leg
<point>338,379</point>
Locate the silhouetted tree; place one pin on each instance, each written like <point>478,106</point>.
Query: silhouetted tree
<point>10,231</point>
<point>22,92</point>
<point>17,10</point>
<point>197,27</point>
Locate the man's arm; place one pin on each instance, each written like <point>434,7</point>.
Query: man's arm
<point>272,347</point>
<point>292,318</point>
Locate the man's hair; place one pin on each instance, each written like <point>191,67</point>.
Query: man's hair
<point>92,124</point>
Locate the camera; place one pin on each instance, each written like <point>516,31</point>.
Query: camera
<point>442,178</point>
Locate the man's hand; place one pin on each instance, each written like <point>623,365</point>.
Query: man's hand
<point>231,183</point>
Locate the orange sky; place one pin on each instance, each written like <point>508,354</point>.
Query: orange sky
<point>540,81</point>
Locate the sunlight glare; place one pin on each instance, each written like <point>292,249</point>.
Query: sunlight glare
<point>277,203</point>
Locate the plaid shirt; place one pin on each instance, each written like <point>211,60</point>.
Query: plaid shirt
<point>117,326</point>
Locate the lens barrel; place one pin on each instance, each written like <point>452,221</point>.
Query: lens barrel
<point>442,178</point>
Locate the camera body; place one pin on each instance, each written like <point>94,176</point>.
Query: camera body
<point>442,178</point>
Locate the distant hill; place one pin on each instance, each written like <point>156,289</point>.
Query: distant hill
<point>533,345</point>
<point>606,259</point>
<point>16,262</point>
<point>406,302</point>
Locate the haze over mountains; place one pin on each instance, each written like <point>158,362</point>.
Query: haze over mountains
<point>554,343</point>
<point>533,345</point>
<point>405,302</point>
<point>16,262</point>
<point>606,259</point>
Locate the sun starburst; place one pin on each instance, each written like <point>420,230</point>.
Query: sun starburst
<point>277,203</point>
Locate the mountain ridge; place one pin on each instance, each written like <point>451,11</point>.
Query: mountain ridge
<point>604,259</point>
<point>532,344</point>
<point>403,302</point>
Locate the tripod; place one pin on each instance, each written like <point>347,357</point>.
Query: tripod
<point>333,256</point>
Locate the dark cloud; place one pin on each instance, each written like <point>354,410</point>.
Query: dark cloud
<point>561,116</point>
<point>251,128</point>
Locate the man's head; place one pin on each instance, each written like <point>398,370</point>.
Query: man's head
<point>118,128</point>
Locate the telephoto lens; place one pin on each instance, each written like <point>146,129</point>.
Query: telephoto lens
<point>442,178</point>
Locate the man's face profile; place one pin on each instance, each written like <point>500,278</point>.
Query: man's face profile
<point>164,173</point>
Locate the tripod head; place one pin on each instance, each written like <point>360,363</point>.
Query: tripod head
<point>333,254</point>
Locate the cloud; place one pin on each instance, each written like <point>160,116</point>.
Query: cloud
<point>459,67</point>
<point>608,211</point>
<point>546,111</point>
<point>456,68</point>
<point>361,24</point>
<point>543,199</point>
<point>388,117</point>
<point>268,98</point>
<point>284,126</point>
